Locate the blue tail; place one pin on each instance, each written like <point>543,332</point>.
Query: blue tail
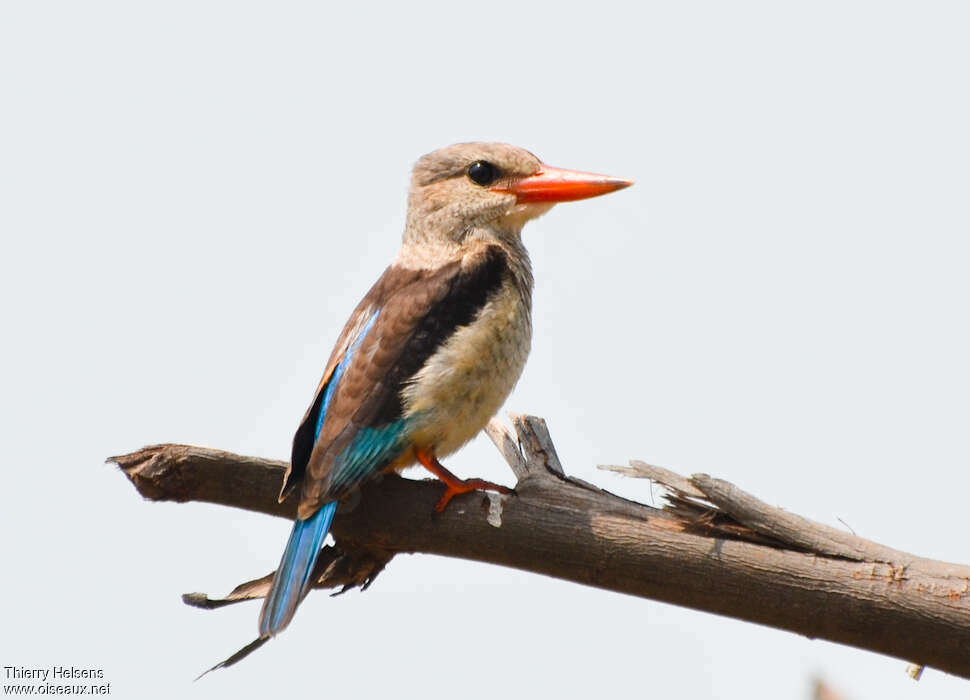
<point>292,579</point>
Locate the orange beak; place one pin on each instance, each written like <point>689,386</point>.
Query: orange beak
<point>557,185</point>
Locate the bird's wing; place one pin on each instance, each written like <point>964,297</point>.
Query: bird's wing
<point>306,434</point>
<point>356,424</point>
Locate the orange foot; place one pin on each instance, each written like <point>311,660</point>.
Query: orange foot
<point>454,485</point>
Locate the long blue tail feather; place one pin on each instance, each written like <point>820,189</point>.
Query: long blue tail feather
<point>293,577</point>
<point>292,580</point>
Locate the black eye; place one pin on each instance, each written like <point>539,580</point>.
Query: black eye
<point>483,173</point>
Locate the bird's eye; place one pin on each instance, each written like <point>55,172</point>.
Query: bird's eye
<point>483,173</point>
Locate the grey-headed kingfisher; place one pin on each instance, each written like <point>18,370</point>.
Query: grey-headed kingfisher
<point>434,348</point>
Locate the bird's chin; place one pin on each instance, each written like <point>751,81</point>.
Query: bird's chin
<point>517,216</point>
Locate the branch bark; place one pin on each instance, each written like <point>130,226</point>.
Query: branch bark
<point>712,547</point>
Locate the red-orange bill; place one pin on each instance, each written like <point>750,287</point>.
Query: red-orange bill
<point>558,185</point>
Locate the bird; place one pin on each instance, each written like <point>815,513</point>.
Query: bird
<point>430,353</point>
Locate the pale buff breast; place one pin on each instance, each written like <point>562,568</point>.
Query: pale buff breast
<point>469,377</point>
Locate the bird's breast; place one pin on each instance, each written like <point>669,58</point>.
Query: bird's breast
<point>465,382</point>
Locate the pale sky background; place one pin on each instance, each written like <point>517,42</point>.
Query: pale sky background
<point>194,195</point>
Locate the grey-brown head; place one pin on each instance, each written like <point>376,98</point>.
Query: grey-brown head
<point>493,188</point>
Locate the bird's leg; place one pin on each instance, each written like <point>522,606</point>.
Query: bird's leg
<point>454,485</point>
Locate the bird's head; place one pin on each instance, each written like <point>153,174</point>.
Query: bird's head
<point>489,189</point>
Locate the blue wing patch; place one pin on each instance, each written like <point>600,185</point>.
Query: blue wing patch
<point>338,372</point>
<point>370,450</point>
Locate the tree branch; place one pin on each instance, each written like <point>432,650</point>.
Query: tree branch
<point>712,547</point>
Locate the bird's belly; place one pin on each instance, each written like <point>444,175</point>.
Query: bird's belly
<point>469,377</point>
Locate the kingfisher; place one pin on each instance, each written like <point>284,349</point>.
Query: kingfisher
<point>433,349</point>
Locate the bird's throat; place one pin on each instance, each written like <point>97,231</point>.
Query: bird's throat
<point>518,215</point>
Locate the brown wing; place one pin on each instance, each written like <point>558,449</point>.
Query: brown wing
<point>303,440</point>
<point>417,310</point>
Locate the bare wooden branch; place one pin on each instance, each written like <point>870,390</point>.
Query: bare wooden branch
<point>713,548</point>
<point>540,454</point>
<point>662,476</point>
<point>351,568</point>
<point>794,529</point>
<point>779,525</point>
<point>505,441</point>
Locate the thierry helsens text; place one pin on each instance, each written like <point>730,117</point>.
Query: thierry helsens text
<point>52,673</point>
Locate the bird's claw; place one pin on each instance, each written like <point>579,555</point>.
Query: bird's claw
<point>456,488</point>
